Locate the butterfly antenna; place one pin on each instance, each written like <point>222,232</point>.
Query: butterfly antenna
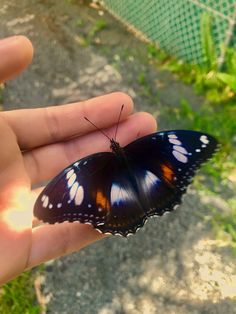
<point>117,125</point>
<point>97,128</point>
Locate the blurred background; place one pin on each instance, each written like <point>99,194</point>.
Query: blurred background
<point>177,60</point>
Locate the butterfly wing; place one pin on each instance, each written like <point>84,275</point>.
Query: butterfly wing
<point>127,214</point>
<point>94,190</point>
<point>166,163</point>
<point>79,192</point>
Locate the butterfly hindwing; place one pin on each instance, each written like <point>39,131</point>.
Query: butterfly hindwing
<point>127,214</point>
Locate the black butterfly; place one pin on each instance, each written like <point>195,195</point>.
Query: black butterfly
<point>117,191</point>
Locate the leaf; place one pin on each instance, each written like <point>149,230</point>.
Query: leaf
<point>208,45</point>
<point>227,79</point>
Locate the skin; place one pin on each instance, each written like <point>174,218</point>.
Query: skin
<point>38,143</point>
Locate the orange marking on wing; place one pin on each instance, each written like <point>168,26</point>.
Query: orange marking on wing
<point>102,201</point>
<point>167,172</point>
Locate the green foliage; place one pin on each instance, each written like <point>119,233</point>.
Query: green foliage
<point>208,45</point>
<point>230,61</point>
<point>145,88</point>
<point>218,85</point>
<point>18,296</point>
<point>227,79</point>
<point>98,26</point>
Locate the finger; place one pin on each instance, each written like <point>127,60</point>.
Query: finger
<point>45,162</point>
<point>52,241</point>
<point>15,55</point>
<point>58,123</point>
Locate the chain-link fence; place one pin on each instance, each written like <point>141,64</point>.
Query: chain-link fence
<point>175,25</point>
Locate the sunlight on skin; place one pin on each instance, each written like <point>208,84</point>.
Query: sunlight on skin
<point>18,215</point>
<point>16,230</point>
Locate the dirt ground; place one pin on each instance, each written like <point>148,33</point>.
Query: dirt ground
<point>174,264</point>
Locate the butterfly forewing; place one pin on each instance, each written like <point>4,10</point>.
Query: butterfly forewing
<point>80,192</point>
<point>167,162</point>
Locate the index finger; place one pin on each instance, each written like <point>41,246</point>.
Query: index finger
<point>16,53</point>
<point>42,126</point>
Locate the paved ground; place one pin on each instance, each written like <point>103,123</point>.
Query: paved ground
<point>174,264</point>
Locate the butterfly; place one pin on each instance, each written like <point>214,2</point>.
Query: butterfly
<point>117,191</point>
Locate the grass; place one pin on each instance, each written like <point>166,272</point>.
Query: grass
<point>18,296</point>
<point>92,35</point>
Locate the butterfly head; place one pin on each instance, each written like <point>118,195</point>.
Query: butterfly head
<point>115,146</point>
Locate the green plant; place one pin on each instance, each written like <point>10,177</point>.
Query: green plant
<point>96,28</point>
<point>18,296</point>
<point>208,45</point>
<point>227,79</point>
<point>218,85</point>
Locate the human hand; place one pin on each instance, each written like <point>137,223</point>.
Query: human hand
<point>35,145</point>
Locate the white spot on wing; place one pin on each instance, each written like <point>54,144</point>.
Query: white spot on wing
<point>118,194</point>
<point>46,201</point>
<point>151,179</point>
<point>174,141</point>
<point>198,150</point>
<point>59,205</point>
<point>172,136</point>
<point>71,180</point>
<point>179,156</point>
<point>204,139</point>
<point>79,196</point>
<point>73,190</point>
<point>180,149</point>
<point>69,174</point>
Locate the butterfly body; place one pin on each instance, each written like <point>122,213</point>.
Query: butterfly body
<point>117,191</point>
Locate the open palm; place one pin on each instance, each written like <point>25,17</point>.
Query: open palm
<point>35,145</point>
